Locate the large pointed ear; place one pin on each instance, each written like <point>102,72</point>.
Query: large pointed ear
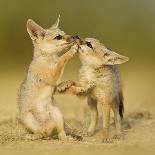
<point>35,31</point>
<point>56,24</point>
<point>113,58</point>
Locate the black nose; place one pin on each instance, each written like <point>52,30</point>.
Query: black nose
<point>75,37</point>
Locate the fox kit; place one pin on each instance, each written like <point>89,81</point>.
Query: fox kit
<point>37,110</point>
<point>99,77</point>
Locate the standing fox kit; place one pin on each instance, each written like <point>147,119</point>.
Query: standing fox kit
<point>99,78</point>
<point>37,110</point>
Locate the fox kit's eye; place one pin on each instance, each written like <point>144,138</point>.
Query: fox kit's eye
<point>89,45</point>
<point>58,37</point>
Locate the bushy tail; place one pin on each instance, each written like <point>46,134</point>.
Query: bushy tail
<point>121,105</point>
<point>73,132</point>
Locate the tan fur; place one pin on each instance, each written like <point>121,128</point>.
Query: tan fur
<point>37,109</point>
<point>99,78</point>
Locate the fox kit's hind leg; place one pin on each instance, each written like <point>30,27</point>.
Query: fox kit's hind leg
<point>33,125</point>
<point>58,119</point>
<point>106,107</point>
<point>117,119</point>
<point>45,128</point>
<point>92,103</point>
<point>39,127</point>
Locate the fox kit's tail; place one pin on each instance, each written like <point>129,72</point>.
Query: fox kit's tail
<point>121,105</point>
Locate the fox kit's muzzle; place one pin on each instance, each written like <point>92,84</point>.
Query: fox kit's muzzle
<point>78,40</point>
<point>75,37</point>
<point>69,38</point>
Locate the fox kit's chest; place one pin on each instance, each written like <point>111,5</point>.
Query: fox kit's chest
<point>104,79</point>
<point>43,69</point>
<point>86,74</point>
<point>89,74</point>
<point>44,98</point>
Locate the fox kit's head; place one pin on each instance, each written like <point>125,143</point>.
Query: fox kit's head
<point>48,41</point>
<point>92,52</point>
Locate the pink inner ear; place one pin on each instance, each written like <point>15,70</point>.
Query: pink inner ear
<point>38,32</point>
<point>34,32</point>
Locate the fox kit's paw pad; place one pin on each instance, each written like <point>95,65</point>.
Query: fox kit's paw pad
<point>65,85</point>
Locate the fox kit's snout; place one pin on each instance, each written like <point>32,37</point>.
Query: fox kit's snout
<point>78,41</point>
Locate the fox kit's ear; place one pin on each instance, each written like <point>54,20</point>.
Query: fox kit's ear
<point>56,24</point>
<point>35,31</point>
<point>113,58</point>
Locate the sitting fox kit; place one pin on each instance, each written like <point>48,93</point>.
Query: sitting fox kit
<point>99,78</point>
<point>37,110</point>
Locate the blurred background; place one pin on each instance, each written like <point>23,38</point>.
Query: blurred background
<point>126,26</point>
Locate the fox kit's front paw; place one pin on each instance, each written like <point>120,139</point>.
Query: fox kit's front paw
<point>65,85</point>
<point>73,50</point>
<point>106,138</point>
<point>90,133</point>
<point>91,130</point>
<point>85,90</point>
<point>81,91</point>
<point>62,136</point>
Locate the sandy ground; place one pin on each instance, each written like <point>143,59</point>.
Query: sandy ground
<point>138,124</point>
<point>139,129</point>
